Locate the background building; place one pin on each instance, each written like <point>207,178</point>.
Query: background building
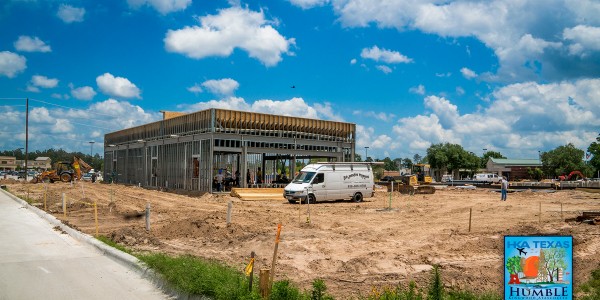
<point>189,151</point>
<point>513,169</point>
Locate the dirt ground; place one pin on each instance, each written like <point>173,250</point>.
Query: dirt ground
<point>353,247</point>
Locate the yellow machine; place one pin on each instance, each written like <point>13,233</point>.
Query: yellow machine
<point>422,173</point>
<point>64,171</point>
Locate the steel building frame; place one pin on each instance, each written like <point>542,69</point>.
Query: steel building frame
<point>187,151</point>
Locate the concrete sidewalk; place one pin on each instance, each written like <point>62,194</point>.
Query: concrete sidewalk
<point>41,258</point>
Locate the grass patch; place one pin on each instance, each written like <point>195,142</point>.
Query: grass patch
<point>113,244</point>
<point>591,289</point>
<point>196,276</point>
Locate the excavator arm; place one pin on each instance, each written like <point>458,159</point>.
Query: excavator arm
<point>80,167</point>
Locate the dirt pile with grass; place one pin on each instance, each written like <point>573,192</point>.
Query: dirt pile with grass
<point>353,247</point>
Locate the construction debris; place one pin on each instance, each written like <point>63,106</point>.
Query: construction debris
<point>250,194</point>
<point>588,217</point>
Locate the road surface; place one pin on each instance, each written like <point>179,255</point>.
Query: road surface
<point>39,262</point>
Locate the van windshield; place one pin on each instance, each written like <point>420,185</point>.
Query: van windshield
<point>304,177</point>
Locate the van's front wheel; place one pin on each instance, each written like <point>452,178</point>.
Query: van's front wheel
<point>311,199</point>
<point>358,197</point>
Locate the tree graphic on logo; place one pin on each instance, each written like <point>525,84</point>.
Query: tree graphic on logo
<point>513,265</point>
<point>552,262</point>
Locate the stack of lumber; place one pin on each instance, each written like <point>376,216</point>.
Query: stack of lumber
<point>251,194</point>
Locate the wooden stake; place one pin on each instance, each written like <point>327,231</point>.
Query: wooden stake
<point>251,273</point>
<point>96,216</point>
<point>275,254</point>
<point>64,203</point>
<point>229,207</point>
<point>470,214</point>
<point>263,283</point>
<point>148,216</point>
<point>561,214</point>
<point>45,196</point>
<point>540,216</point>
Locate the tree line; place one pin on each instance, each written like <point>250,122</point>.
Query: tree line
<point>450,158</point>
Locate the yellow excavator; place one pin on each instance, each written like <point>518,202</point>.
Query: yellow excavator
<point>64,171</point>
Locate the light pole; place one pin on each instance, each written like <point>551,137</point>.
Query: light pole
<point>366,152</point>
<point>91,147</point>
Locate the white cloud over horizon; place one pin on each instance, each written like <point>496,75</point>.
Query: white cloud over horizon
<point>520,42</point>
<point>162,6</point>
<point>70,14</point>
<point>221,87</point>
<point>11,64</point>
<point>384,55</point>
<point>83,93</point>
<point>31,44</point>
<point>119,87</point>
<point>235,27</point>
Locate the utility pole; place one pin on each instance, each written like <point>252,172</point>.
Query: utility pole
<point>26,135</point>
<point>91,147</point>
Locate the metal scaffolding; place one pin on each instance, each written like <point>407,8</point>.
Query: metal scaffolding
<point>188,151</point>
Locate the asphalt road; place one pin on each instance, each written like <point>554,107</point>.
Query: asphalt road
<point>39,262</point>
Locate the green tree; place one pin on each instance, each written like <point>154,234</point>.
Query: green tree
<point>563,160</point>
<point>486,156</point>
<point>417,159</point>
<point>451,157</point>
<point>407,163</point>
<point>535,173</point>
<point>389,164</point>
<point>554,259</point>
<point>594,151</point>
<point>513,265</point>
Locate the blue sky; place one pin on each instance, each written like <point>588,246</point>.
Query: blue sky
<point>512,76</point>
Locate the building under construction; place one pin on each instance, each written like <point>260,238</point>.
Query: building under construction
<point>198,151</point>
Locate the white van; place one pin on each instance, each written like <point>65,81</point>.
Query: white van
<point>487,177</point>
<point>332,181</point>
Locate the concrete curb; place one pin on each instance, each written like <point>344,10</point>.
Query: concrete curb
<point>123,258</point>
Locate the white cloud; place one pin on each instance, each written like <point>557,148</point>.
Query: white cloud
<point>306,4</point>
<point>44,82</point>
<point>419,90</point>
<point>162,6</point>
<point>31,44</point>
<point>83,93</point>
<point>40,115</point>
<point>460,91</point>
<point>384,55</point>
<point>11,64</point>
<point>383,68</point>
<point>232,28</point>
<point>468,73</point>
<point>585,39</point>
<point>371,114</point>
<point>353,61</point>
<point>521,119</point>
<point>117,86</point>
<point>221,87</point>
<point>527,37</point>
<point>196,89</point>
<point>296,107</point>
<point>122,114</point>
<point>70,14</point>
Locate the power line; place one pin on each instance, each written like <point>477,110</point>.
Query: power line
<point>68,107</point>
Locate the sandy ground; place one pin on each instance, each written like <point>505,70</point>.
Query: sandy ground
<point>353,247</point>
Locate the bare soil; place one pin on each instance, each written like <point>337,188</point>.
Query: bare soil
<point>353,247</point>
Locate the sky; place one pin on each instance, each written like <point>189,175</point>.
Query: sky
<point>511,76</point>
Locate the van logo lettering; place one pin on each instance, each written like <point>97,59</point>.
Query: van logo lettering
<point>346,177</point>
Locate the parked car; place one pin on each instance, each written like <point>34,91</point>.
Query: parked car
<point>87,176</point>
